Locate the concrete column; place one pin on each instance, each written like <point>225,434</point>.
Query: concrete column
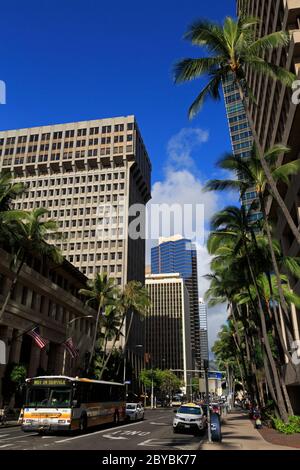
<point>44,358</point>
<point>15,349</point>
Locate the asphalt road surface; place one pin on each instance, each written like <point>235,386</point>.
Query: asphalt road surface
<point>154,433</point>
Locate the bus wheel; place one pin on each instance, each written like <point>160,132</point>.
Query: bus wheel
<point>83,423</point>
<point>116,418</point>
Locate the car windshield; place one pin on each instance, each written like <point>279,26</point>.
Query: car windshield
<point>131,407</point>
<point>189,410</point>
<point>49,397</point>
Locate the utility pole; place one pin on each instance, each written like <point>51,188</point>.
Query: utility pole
<point>206,365</point>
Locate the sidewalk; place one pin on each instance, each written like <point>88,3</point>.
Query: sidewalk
<point>238,433</point>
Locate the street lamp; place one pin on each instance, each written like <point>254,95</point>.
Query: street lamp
<point>67,335</point>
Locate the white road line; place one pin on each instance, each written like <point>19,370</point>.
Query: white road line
<point>97,432</point>
<point>5,445</point>
<point>17,437</point>
<point>3,435</point>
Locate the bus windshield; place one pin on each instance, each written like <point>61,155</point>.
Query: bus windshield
<point>47,397</point>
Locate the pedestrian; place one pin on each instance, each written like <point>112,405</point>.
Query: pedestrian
<point>258,423</point>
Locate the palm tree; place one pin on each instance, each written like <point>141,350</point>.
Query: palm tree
<point>231,226</point>
<point>8,190</point>
<point>102,292</point>
<point>133,300</point>
<point>230,49</point>
<point>250,175</point>
<point>30,231</point>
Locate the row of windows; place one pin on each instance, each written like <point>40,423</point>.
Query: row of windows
<point>77,190</point>
<point>232,98</point>
<point>239,127</point>
<point>75,179</point>
<point>240,117</point>
<point>67,134</point>
<point>115,198</point>
<point>54,156</point>
<point>241,136</point>
<point>242,145</point>
<point>99,245</point>
<point>235,108</point>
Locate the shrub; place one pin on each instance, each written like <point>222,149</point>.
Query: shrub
<point>292,427</point>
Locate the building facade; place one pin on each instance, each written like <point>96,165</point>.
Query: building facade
<point>46,295</point>
<point>277,120</point>
<point>168,334</point>
<point>241,137</point>
<point>203,330</point>
<point>88,175</point>
<point>178,255</point>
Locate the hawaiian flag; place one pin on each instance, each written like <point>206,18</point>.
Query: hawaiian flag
<point>72,350</point>
<point>39,340</point>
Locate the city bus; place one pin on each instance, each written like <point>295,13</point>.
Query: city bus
<point>60,403</point>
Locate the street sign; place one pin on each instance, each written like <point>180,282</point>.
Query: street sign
<point>127,382</point>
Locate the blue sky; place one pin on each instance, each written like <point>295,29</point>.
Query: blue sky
<point>69,60</point>
<point>66,60</point>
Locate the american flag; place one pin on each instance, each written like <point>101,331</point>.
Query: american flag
<point>69,345</point>
<point>39,340</point>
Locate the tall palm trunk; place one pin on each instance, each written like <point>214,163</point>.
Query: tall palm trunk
<point>126,340</point>
<point>99,313</point>
<point>112,347</point>
<point>280,399</point>
<point>274,261</point>
<point>267,171</point>
<point>12,286</point>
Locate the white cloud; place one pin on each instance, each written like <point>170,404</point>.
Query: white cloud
<point>181,145</point>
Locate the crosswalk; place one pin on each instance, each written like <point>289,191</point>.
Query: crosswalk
<point>14,438</point>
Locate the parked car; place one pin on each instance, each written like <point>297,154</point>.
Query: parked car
<point>135,411</point>
<point>190,417</point>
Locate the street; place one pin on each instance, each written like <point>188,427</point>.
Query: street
<point>154,433</point>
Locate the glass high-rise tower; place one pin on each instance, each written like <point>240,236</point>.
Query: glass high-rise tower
<point>178,255</point>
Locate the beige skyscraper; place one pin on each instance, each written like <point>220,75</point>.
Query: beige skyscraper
<point>168,330</point>
<point>88,174</point>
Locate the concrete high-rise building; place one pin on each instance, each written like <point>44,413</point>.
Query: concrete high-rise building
<point>168,335</point>
<point>87,174</point>
<point>178,255</point>
<point>203,330</point>
<point>277,120</point>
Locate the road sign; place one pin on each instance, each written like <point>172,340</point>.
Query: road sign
<point>127,382</point>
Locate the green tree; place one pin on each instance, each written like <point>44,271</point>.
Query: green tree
<point>230,50</point>
<point>134,300</point>
<point>102,292</point>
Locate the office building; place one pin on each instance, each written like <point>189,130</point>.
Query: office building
<point>203,330</point>
<point>178,255</point>
<point>277,120</point>
<point>88,174</point>
<point>168,335</point>
<point>241,137</point>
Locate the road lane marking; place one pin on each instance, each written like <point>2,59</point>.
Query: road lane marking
<point>3,435</point>
<point>97,432</point>
<point>5,445</point>
<point>160,424</point>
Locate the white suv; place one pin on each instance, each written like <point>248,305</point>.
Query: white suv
<point>134,411</point>
<point>189,417</point>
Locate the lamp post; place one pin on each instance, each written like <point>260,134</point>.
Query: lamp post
<point>67,335</point>
<point>124,365</point>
